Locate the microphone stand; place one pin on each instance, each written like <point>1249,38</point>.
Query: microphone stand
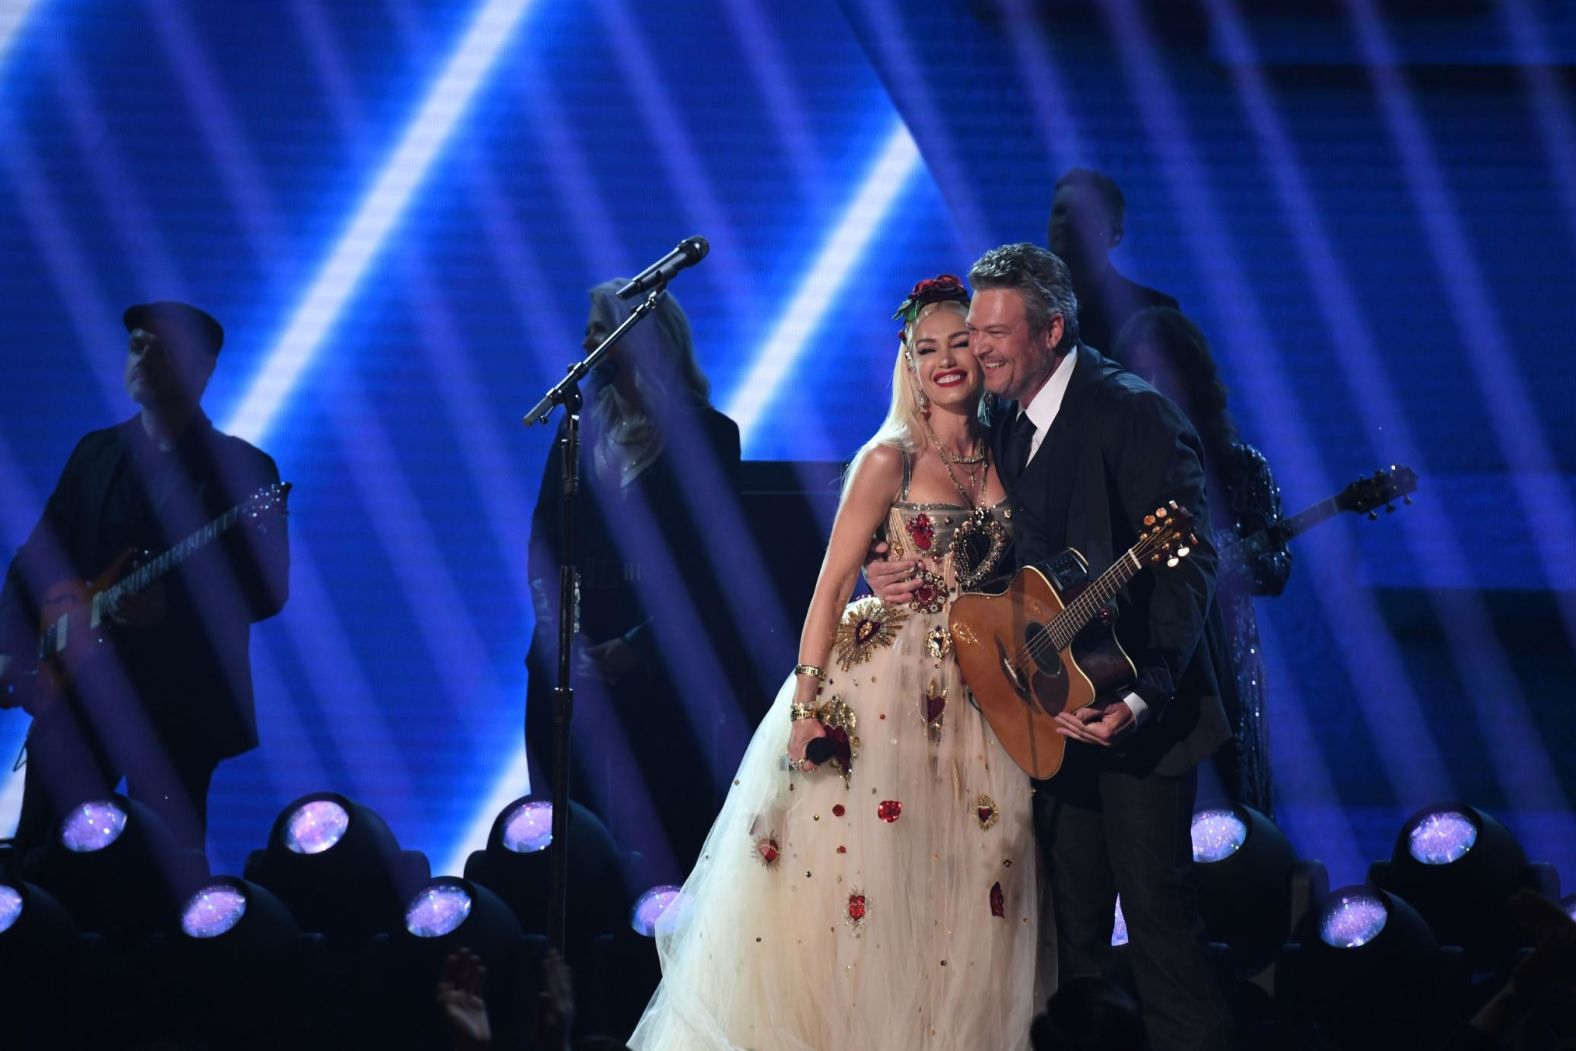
<point>567,393</point>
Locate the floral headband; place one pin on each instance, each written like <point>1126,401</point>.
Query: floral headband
<point>943,288</point>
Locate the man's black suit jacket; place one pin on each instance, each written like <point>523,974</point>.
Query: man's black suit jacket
<point>191,674</point>
<point>1116,451</point>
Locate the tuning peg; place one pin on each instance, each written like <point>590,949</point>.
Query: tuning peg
<point>1373,516</point>
<point>1407,500</point>
<point>1149,520</point>
<point>1389,509</point>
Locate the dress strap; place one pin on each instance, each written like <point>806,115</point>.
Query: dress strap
<point>908,474</point>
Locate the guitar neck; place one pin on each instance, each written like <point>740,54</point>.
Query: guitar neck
<point>1083,609</point>
<point>159,567</point>
<point>1304,520</point>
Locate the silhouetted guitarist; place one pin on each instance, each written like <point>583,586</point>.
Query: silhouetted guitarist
<point>168,693</point>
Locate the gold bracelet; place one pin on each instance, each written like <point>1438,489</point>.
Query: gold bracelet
<point>798,711</point>
<point>810,670</point>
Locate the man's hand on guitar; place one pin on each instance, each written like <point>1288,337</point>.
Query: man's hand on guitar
<point>1100,723</point>
<point>140,610</point>
<point>891,582</point>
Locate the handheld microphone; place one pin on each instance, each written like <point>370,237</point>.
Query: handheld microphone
<point>819,750</point>
<point>690,251</point>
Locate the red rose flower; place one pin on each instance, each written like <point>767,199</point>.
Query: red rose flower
<point>889,810</point>
<point>856,907</point>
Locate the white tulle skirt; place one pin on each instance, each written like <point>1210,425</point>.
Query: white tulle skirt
<point>896,910</point>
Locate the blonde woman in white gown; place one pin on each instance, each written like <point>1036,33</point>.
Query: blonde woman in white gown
<point>885,899</point>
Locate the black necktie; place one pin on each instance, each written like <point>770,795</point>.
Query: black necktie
<point>1019,443</point>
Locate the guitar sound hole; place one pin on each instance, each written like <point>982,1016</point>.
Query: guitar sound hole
<point>1045,659</point>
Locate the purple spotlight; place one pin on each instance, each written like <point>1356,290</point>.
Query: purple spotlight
<point>213,910</point>
<point>1119,925</point>
<point>316,826</point>
<point>93,826</point>
<point>1442,837</point>
<point>1218,833</point>
<point>437,909</point>
<point>651,906</point>
<point>10,907</point>
<point>529,828</point>
<point>1353,920</point>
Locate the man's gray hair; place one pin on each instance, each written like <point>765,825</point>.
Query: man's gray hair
<point>1040,277</point>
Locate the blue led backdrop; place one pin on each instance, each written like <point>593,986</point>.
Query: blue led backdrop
<point>397,207</point>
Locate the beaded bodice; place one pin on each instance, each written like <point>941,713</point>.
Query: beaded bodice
<point>927,529</point>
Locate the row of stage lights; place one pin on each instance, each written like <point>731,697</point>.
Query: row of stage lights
<point>313,827</point>
<point>331,894</point>
<point>1387,963</point>
<point>1428,919</point>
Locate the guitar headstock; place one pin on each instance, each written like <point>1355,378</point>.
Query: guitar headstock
<point>267,500</point>
<point>1367,495</point>
<point>1167,534</point>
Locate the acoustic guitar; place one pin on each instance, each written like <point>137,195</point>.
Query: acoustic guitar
<point>1045,644</point>
<point>74,614</point>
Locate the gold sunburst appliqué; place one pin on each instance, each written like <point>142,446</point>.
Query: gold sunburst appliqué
<point>867,625</point>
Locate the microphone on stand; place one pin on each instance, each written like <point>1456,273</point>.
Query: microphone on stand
<point>690,251</point>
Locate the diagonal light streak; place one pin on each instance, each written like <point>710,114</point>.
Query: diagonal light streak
<point>379,213</point>
<point>882,186</point>
<point>12,14</point>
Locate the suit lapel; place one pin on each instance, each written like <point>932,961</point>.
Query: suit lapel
<point>1048,481</point>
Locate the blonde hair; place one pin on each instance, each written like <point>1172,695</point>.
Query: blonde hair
<point>904,426</point>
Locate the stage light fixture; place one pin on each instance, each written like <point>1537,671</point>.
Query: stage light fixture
<point>652,906</point>
<point>444,914</point>
<point>316,826</point>
<point>236,970</point>
<point>1353,920</point>
<point>1252,888</point>
<point>93,826</point>
<point>46,967</point>
<point>1569,905</point>
<point>10,907</point>
<point>515,866</point>
<point>1458,866</point>
<point>114,866</point>
<point>31,920</point>
<point>1218,833</point>
<point>239,915</point>
<point>1367,968</point>
<point>449,912</point>
<point>1441,837</point>
<point>438,909</point>
<point>213,910</point>
<point>528,826</point>
<point>337,867</point>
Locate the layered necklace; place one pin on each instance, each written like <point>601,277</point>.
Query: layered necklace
<point>979,540</point>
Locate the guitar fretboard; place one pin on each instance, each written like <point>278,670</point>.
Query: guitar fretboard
<point>1070,621</point>
<point>158,567</point>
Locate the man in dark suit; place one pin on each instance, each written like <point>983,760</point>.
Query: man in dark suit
<point>1088,221</point>
<point>173,696</point>
<point>1087,449</point>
